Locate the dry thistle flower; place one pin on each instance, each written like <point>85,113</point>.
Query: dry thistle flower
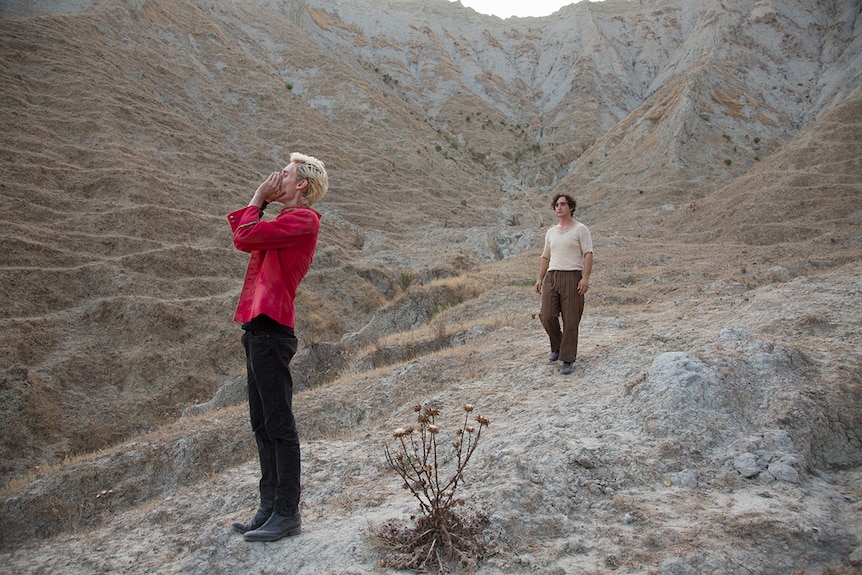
<point>434,484</point>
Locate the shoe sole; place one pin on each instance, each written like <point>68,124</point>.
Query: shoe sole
<point>290,533</point>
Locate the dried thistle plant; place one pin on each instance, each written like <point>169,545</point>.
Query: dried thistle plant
<point>440,536</point>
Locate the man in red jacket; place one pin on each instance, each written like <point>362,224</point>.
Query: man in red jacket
<point>281,253</point>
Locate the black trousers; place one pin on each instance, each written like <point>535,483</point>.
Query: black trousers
<point>270,401</point>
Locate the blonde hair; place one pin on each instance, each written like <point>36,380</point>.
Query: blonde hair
<point>313,171</point>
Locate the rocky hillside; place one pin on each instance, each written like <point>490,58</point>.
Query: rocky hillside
<point>713,149</point>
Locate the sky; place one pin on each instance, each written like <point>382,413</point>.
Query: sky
<point>521,8</point>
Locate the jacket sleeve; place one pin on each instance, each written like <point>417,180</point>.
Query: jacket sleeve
<point>288,230</point>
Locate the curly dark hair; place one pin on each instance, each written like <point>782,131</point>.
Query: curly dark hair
<point>569,200</point>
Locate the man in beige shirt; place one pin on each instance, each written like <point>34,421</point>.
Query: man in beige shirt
<point>564,278</point>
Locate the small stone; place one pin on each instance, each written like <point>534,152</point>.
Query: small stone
<point>585,462</point>
<point>747,465</point>
<point>783,472</point>
<point>686,478</point>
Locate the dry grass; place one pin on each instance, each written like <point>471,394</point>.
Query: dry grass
<point>86,489</point>
<point>434,545</point>
<point>118,300</point>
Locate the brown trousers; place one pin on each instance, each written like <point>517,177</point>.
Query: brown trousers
<point>560,297</point>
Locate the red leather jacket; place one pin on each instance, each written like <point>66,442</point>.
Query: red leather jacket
<point>281,253</point>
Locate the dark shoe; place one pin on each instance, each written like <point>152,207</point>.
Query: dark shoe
<point>276,527</point>
<point>257,521</point>
<point>567,368</point>
<point>554,356</point>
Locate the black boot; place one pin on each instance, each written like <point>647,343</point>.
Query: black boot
<point>257,521</point>
<point>276,527</point>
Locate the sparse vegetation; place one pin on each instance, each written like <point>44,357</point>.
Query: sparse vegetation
<point>440,536</point>
<point>441,307</point>
<point>461,262</point>
<point>407,279</point>
<point>119,313</point>
<point>355,235</point>
<point>440,328</point>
